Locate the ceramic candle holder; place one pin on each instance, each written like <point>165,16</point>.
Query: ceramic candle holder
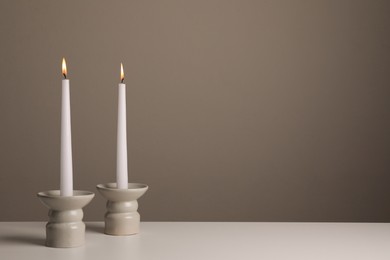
<point>122,218</point>
<point>65,227</point>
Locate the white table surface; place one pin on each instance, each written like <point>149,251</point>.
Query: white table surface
<point>207,240</point>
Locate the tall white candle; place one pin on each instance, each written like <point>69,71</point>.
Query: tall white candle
<point>121,156</point>
<point>66,186</point>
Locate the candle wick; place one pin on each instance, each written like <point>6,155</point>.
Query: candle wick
<point>122,80</point>
<point>64,75</point>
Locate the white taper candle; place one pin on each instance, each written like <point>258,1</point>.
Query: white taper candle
<point>66,186</point>
<point>121,159</point>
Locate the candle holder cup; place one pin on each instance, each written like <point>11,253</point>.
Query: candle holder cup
<point>65,227</point>
<point>122,217</point>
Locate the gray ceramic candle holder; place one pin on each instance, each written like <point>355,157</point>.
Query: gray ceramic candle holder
<point>65,227</point>
<point>122,218</point>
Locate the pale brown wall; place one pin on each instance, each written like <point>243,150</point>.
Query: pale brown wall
<point>237,110</point>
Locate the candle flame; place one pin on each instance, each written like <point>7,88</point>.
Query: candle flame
<point>64,70</point>
<point>122,73</point>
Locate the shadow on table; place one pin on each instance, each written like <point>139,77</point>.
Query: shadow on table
<point>24,240</point>
<point>95,227</point>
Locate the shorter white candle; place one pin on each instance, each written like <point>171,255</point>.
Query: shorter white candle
<point>66,180</point>
<point>121,156</point>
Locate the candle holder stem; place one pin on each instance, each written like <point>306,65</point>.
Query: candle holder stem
<point>122,217</point>
<point>65,227</point>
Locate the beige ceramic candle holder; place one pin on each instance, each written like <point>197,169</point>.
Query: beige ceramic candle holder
<point>122,218</point>
<point>65,227</point>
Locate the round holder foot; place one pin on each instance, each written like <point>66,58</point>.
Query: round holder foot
<point>122,218</point>
<point>65,227</point>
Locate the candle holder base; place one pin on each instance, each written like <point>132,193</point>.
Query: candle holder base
<point>122,217</point>
<point>65,227</point>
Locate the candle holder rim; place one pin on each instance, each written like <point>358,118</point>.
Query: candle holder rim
<point>56,194</point>
<point>131,186</point>
<point>111,193</point>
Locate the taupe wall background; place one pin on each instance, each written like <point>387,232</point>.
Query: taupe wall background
<point>237,110</point>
